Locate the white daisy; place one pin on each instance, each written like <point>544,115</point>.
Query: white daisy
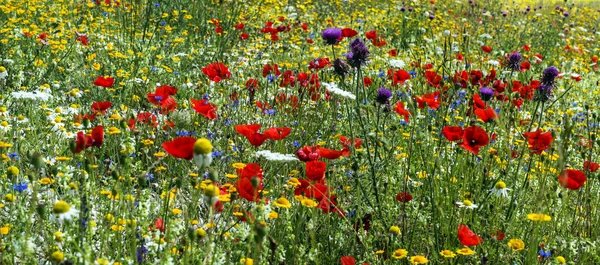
<point>500,189</point>
<point>333,88</point>
<point>467,204</point>
<point>276,156</point>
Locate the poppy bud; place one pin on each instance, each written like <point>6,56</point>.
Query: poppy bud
<point>72,146</point>
<point>114,175</point>
<point>36,160</point>
<point>41,210</point>
<point>213,176</point>
<point>123,125</point>
<point>261,230</point>
<point>86,123</point>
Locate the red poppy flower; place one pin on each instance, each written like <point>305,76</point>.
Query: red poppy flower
<point>367,81</point>
<point>499,235</point>
<point>312,153</point>
<point>486,49</point>
<point>525,66</point>
<point>572,179</point>
<point>453,133</point>
<point>591,166</point>
<point>247,130</point>
<point>246,189</point>
<point>467,237</point>
<point>319,63</point>
<point>239,26</point>
<point>379,42</point>
<point>101,106</point>
<point>488,114</point>
<point>393,52</point>
<point>399,77</point>
<point>104,81</point>
<point>371,35</point>
<point>474,138</point>
<point>80,143</point>
<point>204,108</point>
<point>431,99</point>
<point>83,39</point>
<point>244,36</point>
<point>404,197</point>
<point>402,111</point>
<point>249,182</point>
<point>216,72</point>
<point>158,224</point>
<point>349,33</point>
<point>181,147</point>
<point>345,141</point>
<point>538,141</point>
<point>315,170</point>
<point>433,78</point>
<point>277,133</point>
<point>97,136</point>
<point>348,260</point>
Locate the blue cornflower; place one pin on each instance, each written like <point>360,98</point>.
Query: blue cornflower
<point>13,155</point>
<point>20,187</point>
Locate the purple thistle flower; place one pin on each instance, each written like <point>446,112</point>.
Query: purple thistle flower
<point>548,75</point>
<point>383,95</point>
<point>340,67</point>
<point>544,93</point>
<point>514,61</point>
<point>358,53</point>
<point>331,35</point>
<point>486,93</point>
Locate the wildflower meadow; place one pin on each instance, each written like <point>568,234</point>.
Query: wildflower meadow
<point>299,132</point>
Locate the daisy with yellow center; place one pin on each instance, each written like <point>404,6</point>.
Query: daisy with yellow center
<point>399,253</point>
<point>282,203</point>
<point>467,204</point>
<point>447,254</point>
<point>418,260</point>
<point>500,189</point>
<point>465,251</point>
<point>516,244</point>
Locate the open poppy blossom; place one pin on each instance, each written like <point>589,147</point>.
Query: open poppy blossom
<point>162,97</point>
<point>486,115</point>
<point>216,72</point>
<point>255,138</point>
<point>349,33</point>
<point>83,141</point>
<point>311,153</point>
<point>431,99</point>
<point>181,147</point>
<point>591,166</point>
<point>204,108</point>
<point>104,81</point>
<point>101,106</point>
<point>453,133</point>
<point>467,237</point>
<point>538,141</point>
<point>347,260</point>
<point>315,170</point>
<point>572,179</point>
<point>433,78</point>
<point>474,138</point>
<point>402,111</point>
<point>398,77</point>
<point>486,49</point>
<point>249,181</point>
<point>404,197</point>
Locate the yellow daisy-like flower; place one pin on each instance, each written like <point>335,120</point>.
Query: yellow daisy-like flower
<point>294,182</point>
<point>57,256</point>
<point>447,254</point>
<point>561,260</point>
<point>309,203</point>
<point>273,215</point>
<point>282,203</point>
<point>539,217</point>
<point>202,146</point>
<point>238,165</point>
<point>399,253</point>
<point>465,251</point>
<point>418,260</point>
<point>516,244</point>
<point>394,230</point>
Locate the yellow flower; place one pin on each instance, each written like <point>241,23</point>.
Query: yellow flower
<point>539,217</point>
<point>176,211</point>
<point>200,232</point>
<point>160,154</point>
<point>418,260</point>
<point>238,165</point>
<point>12,171</point>
<point>57,256</point>
<point>294,182</point>
<point>212,191</point>
<point>500,185</point>
<point>394,230</point>
<point>10,198</point>
<point>247,261</point>
<point>447,254</point>
<point>309,203</point>
<point>273,215</point>
<point>282,203</point>
<point>113,130</point>
<point>561,260</point>
<point>61,207</point>
<point>516,244</point>
<point>202,146</point>
<point>4,230</point>
<point>465,251</point>
<point>400,253</point>
<point>379,252</point>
